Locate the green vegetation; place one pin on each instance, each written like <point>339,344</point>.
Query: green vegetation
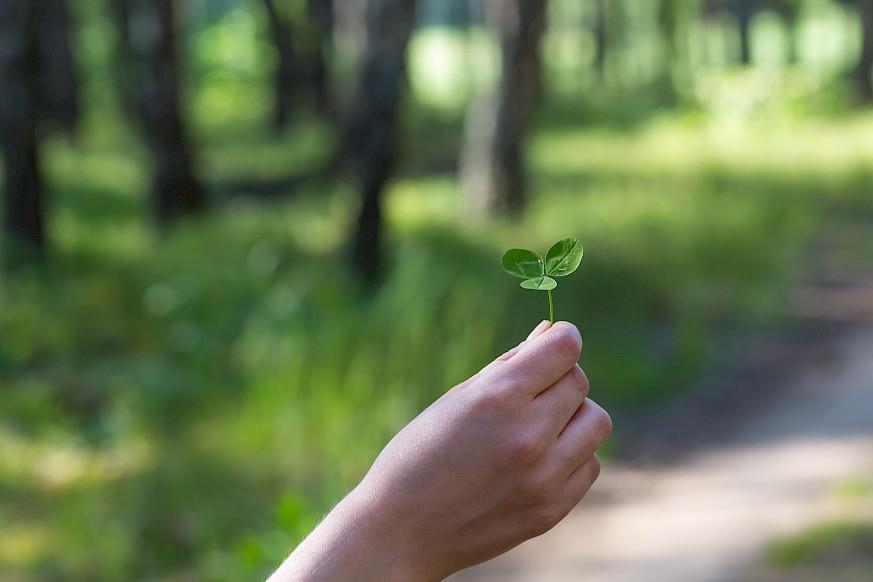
<point>834,542</point>
<point>838,549</point>
<point>194,403</point>
<point>188,404</point>
<point>562,259</point>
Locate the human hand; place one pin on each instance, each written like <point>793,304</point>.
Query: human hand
<point>499,459</point>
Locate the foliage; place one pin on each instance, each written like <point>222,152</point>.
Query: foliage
<point>562,259</point>
<point>833,542</point>
<point>188,405</point>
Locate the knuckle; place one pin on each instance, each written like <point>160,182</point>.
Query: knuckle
<point>602,424</point>
<point>543,518</point>
<point>595,468</point>
<point>525,449</point>
<point>535,489</point>
<point>488,400</point>
<point>580,378</point>
<point>567,341</point>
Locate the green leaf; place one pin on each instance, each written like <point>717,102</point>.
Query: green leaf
<point>523,263</point>
<point>540,283</point>
<point>564,257</point>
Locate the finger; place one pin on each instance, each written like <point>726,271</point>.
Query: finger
<point>537,331</point>
<point>540,362</point>
<point>558,403</point>
<point>587,430</point>
<point>581,480</point>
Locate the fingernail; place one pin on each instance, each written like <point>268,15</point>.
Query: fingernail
<point>575,329</point>
<point>543,325</point>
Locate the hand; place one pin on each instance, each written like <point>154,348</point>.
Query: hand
<point>499,459</point>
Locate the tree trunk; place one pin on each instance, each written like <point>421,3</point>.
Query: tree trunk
<point>744,12</point>
<point>285,75</point>
<point>152,42</point>
<point>321,15</point>
<point>368,142</point>
<point>59,83</point>
<point>601,38</point>
<point>865,60</point>
<point>350,30</point>
<point>19,91</point>
<point>493,173</point>
<point>123,60</point>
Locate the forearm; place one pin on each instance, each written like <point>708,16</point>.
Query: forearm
<point>350,544</point>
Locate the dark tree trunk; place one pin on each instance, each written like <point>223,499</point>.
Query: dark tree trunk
<point>368,142</point>
<point>493,172</point>
<point>123,61</point>
<point>601,37</point>
<point>865,59</point>
<point>744,12</point>
<point>285,75</point>
<point>19,90</point>
<point>59,95</point>
<point>321,15</point>
<point>152,41</point>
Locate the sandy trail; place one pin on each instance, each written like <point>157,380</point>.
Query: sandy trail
<point>707,517</point>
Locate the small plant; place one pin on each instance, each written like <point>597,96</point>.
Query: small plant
<point>562,259</point>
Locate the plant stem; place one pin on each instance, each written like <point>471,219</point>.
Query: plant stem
<point>551,308</point>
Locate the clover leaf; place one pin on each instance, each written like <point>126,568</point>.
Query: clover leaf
<point>561,259</point>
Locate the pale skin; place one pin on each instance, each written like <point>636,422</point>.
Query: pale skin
<point>498,459</point>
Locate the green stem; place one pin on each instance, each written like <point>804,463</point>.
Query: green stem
<point>551,308</point>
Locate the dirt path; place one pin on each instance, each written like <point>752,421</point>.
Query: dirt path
<point>708,515</point>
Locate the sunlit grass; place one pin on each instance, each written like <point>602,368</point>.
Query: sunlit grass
<point>190,404</point>
<point>838,542</point>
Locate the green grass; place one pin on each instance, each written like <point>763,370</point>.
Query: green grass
<point>194,403</point>
<point>835,543</point>
<point>190,405</point>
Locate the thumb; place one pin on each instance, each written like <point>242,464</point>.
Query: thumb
<point>536,332</point>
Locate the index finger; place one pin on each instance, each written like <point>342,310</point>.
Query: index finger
<point>543,360</point>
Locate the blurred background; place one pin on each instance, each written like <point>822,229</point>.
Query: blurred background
<point>245,241</point>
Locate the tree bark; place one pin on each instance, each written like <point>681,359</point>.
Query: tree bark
<point>285,75</point>
<point>350,30</point>
<point>493,174</point>
<point>59,95</point>
<point>155,60</point>
<point>601,38</point>
<point>19,90</point>
<point>368,141</point>
<point>865,59</point>
<point>744,12</point>
<point>321,15</point>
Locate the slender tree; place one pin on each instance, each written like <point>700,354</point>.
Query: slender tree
<point>284,78</point>
<point>321,15</point>
<point>493,172</point>
<point>789,13</point>
<point>601,37</point>
<point>156,75</point>
<point>744,12</point>
<point>19,113</point>
<point>865,59</point>
<point>59,85</point>
<point>368,141</point>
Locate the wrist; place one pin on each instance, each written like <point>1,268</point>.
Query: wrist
<point>358,540</point>
<point>391,545</point>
